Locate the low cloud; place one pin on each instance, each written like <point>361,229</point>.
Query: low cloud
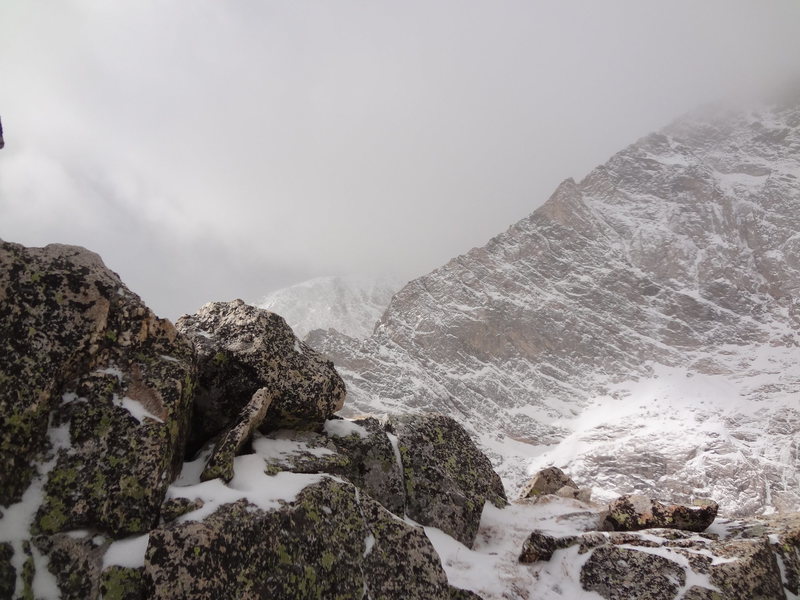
<point>209,150</point>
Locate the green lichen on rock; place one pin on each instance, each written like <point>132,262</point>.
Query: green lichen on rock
<point>633,512</point>
<point>28,572</point>
<point>242,349</point>
<point>399,560</point>
<point>621,574</point>
<point>75,563</point>
<point>220,461</point>
<point>447,478</point>
<point>123,583</point>
<point>321,532</point>
<point>330,542</point>
<point>78,350</point>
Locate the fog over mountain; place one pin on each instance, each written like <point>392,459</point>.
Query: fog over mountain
<point>641,329</point>
<point>247,146</point>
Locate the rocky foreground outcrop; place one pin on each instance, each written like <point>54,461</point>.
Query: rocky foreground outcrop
<point>101,402</point>
<point>143,461</point>
<point>741,560</point>
<point>637,547</point>
<point>95,393</point>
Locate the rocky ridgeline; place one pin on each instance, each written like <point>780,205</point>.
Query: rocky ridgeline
<point>205,460</point>
<point>101,402</point>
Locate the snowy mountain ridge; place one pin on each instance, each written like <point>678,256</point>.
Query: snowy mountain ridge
<point>643,325</point>
<point>349,304</point>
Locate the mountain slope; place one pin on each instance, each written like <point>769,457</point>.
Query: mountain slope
<point>640,329</point>
<point>352,305</point>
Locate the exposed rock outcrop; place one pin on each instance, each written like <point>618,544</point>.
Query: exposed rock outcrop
<point>241,349</point>
<point>97,394</point>
<point>447,479</point>
<point>93,387</point>
<point>220,462</point>
<point>540,546</point>
<point>330,542</point>
<point>733,560</point>
<point>634,512</point>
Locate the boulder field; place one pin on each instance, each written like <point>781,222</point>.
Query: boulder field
<point>139,459</point>
<point>204,460</point>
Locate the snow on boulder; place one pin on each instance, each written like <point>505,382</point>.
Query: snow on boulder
<point>241,349</point>
<point>634,512</point>
<point>447,479</point>
<point>94,389</point>
<point>548,481</point>
<point>329,541</point>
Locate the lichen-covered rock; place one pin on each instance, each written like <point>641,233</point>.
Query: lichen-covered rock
<point>358,451</point>
<point>634,512</point>
<point>241,349</point>
<point>220,462</point>
<point>330,542</point>
<point>373,465</point>
<point>91,380</point>
<point>401,562</point>
<point>76,563</point>
<point>540,546</point>
<point>123,583</point>
<point>447,479</point>
<point>8,575</point>
<point>621,574</point>
<point>784,530</point>
<point>548,481</point>
<point>740,561</point>
<point>750,572</point>
<point>177,507</point>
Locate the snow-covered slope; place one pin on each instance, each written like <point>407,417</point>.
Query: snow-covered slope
<point>351,305</point>
<point>641,329</point>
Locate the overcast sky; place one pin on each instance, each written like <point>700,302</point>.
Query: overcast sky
<point>212,149</point>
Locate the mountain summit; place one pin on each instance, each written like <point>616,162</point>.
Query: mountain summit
<point>640,329</point>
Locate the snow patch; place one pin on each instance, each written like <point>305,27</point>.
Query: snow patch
<point>135,408</point>
<point>128,552</point>
<point>344,428</point>
<point>249,482</point>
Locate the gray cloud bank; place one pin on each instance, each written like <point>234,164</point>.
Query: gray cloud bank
<point>209,149</point>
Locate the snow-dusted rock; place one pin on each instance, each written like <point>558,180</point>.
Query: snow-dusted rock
<point>94,388</point>
<point>242,349</point>
<point>327,542</point>
<point>634,512</point>
<point>447,479</point>
<point>548,481</point>
<point>359,451</point>
<point>230,442</point>
<point>553,550</point>
<point>640,329</point>
<point>540,546</point>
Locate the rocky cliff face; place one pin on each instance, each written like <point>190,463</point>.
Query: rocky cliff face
<point>641,328</point>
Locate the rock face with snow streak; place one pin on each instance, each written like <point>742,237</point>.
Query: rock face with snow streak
<point>329,542</point>
<point>84,357</point>
<point>648,317</point>
<point>351,305</point>
<point>447,479</point>
<point>747,563</point>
